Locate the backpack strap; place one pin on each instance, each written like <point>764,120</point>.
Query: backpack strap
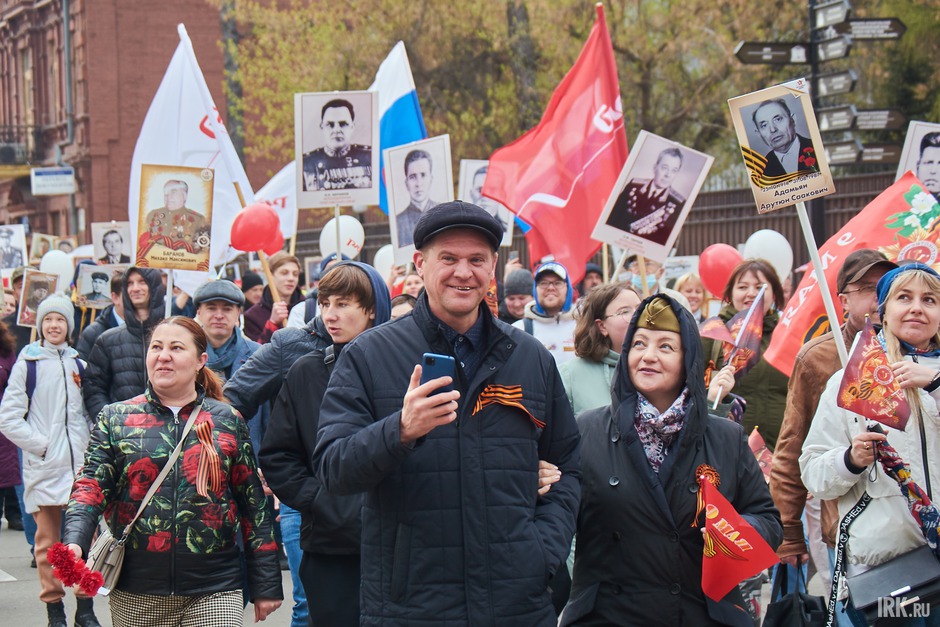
<point>310,310</point>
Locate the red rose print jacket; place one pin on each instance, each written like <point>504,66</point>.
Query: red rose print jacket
<point>184,543</point>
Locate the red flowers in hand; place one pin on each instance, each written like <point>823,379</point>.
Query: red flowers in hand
<point>70,570</point>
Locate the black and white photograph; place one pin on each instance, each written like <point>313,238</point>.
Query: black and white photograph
<point>39,245</point>
<point>656,190</point>
<point>94,284</point>
<point>36,286</point>
<point>336,136</point>
<point>921,155</point>
<point>112,242</point>
<point>67,244</point>
<point>781,145</point>
<point>472,176</point>
<point>418,176</point>
<point>12,246</point>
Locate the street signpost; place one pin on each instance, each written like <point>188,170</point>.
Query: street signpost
<point>879,120</point>
<point>889,28</point>
<point>836,118</point>
<point>55,181</point>
<point>837,83</point>
<point>843,153</point>
<point>776,53</point>
<point>881,153</point>
<point>832,13</point>
<point>834,48</point>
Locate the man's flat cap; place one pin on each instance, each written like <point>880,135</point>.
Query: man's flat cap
<point>457,214</point>
<point>219,290</point>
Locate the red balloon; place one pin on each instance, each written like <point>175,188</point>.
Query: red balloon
<point>715,265</point>
<point>255,227</point>
<point>275,245</point>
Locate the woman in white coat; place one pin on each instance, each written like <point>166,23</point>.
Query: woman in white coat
<point>838,460</point>
<point>51,428</point>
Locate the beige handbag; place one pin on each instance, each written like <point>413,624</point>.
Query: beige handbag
<point>106,555</point>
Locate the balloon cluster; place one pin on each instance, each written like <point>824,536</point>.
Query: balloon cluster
<point>256,228</point>
<point>717,262</point>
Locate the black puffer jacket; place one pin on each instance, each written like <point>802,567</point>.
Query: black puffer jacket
<point>117,367</point>
<point>639,557</point>
<point>260,379</point>
<point>103,322</point>
<point>453,529</point>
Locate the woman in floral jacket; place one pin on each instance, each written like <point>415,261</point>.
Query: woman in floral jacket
<point>181,563</point>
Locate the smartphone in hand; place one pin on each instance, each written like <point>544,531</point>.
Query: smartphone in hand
<point>434,366</point>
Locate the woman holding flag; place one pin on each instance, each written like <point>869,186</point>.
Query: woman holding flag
<point>762,386</point>
<point>843,459</point>
<point>649,460</point>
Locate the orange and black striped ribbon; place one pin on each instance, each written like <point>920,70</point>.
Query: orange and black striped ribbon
<point>209,474</point>
<point>509,395</point>
<point>756,162</point>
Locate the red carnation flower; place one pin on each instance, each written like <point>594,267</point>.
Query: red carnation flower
<point>159,542</point>
<point>810,162</point>
<point>140,476</point>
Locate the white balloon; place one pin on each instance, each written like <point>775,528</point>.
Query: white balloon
<point>384,260</point>
<point>60,263</point>
<point>351,235</point>
<point>773,247</point>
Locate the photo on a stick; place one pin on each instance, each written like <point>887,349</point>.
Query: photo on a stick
<point>418,177</point>
<point>781,145</point>
<point>336,139</point>
<point>921,155</point>
<point>175,217</point>
<point>653,195</point>
<point>93,286</point>
<point>111,241</point>
<point>36,286</point>
<point>39,245</point>
<point>12,246</point>
<point>472,176</point>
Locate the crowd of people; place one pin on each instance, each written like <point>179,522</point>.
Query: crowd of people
<point>548,476</point>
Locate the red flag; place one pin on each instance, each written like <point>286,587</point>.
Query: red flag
<point>901,222</point>
<point>747,327</point>
<point>868,385</point>
<point>559,175</point>
<point>733,549</point>
<point>762,454</point>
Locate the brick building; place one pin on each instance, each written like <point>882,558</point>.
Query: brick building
<point>118,52</point>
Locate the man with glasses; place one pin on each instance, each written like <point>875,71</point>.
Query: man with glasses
<point>816,362</point>
<point>339,164</point>
<point>549,318</point>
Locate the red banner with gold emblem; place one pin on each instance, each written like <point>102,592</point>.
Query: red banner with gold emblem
<point>901,223</point>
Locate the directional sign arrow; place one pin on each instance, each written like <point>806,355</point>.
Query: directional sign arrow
<point>832,13</point>
<point>879,119</point>
<point>881,153</point>
<point>871,29</point>
<point>843,153</point>
<point>777,53</point>
<point>836,118</point>
<point>837,83</point>
<point>835,48</point>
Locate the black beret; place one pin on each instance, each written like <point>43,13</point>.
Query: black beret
<point>457,214</point>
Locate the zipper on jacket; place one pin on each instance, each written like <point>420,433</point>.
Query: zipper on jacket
<point>175,484</point>
<point>68,437</point>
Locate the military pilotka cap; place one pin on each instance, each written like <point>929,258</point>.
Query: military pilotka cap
<point>457,214</point>
<point>219,290</point>
<point>858,264</point>
<point>658,316</point>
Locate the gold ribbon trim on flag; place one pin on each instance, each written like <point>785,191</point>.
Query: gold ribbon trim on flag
<point>508,395</point>
<point>704,472</point>
<point>209,473</point>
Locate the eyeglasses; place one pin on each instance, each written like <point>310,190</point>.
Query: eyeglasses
<point>551,284</point>
<point>625,314</point>
<point>865,289</point>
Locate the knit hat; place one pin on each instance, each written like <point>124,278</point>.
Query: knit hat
<point>518,283</point>
<point>250,280</point>
<point>885,282</point>
<point>56,303</point>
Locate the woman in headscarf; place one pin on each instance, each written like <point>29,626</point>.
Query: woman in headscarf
<point>639,552</point>
<point>839,459</point>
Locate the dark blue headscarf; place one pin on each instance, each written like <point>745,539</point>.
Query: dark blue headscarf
<point>885,282</point>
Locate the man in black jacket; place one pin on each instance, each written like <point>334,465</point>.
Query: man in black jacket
<point>117,368</point>
<point>453,529</point>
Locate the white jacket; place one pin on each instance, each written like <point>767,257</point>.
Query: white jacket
<point>556,333</point>
<point>886,528</point>
<point>55,433</point>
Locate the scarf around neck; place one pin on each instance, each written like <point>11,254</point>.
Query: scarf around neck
<point>657,430</point>
<point>221,358</point>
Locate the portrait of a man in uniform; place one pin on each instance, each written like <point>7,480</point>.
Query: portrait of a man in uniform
<point>339,163</point>
<point>649,207</point>
<point>419,177</point>
<point>789,151</point>
<point>174,223</point>
<point>11,256</point>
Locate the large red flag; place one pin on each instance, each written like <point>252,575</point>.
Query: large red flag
<point>733,549</point>
<point>901,222</point>
<point>559,175</point>
<point>868,386</point>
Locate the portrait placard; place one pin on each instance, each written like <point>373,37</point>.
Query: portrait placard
<point>12,246</point>
<point>336,139</point>
<point>66,244</point>
<point>93,286</point>
<point>39,245</point>
<point>653,196</point>
<point>112,242</point>
<point>921,154</point>
<point>36,286</point>
<point>312,268</point>
<point>418,176</point>
<point>781,145</point>
<point>675,267</point>
<point>174,217</point>
<point>472,175</point>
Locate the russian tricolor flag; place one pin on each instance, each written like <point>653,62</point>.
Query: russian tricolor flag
<point>400,116</point>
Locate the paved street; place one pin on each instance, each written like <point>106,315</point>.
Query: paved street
<point>19,590</point>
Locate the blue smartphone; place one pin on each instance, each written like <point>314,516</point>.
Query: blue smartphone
<point>434,366</point>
